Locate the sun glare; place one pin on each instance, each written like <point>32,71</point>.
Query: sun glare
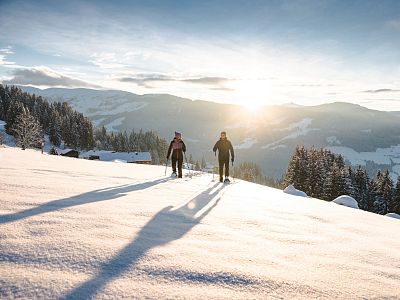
<point>252,94</point>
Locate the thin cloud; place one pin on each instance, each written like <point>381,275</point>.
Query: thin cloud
<point>145,80</point>
<point>43,76</point>
<point>381,91</point>
<point>208,80</point>
<point>7,50</point>
<point>4,52</point>
<point>107,60</point>
<point>224,89</point>
<point>383,99</point>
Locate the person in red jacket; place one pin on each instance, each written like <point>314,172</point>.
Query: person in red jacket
<point>178,148</point>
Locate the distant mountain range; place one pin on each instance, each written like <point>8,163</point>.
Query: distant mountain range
<point>266,137</point>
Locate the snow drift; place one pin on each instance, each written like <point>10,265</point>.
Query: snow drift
<point>78,229</point>
<point>346,201</point>
<point>393,215</point>
<point>290,189</point>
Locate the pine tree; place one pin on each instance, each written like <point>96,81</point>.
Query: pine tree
<point>383,189</point>
<point>387,190</point>
<point>350,182</point>
<point>154,157</point>
<point>394,205</point>
<point>2,102</point>
<point>14,110</point>
<point>197,166</point>
<point>294,169</point>
<point>361,188</point>
<point>336,182</point>
<point>384,192</point>
<point>55,129</point>
<point>314,176</point>
<point>302,173</point>
<point>203,164</point>
<point>371,196</point>
<point>250,172</point>
<point>27,130</point>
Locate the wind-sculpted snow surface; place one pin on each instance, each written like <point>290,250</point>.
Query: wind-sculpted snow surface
<point>79,229</point>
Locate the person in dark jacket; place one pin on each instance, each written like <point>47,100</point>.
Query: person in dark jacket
<point>224,146</point>
<point>178,148</point>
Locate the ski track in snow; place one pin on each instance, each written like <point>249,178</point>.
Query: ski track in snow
<point>78,229</point>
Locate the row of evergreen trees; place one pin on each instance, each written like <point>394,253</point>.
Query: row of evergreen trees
<point>324,175</point>
<point>132,141</point>
<point>197,165</point>
<point>58,120</point>
<point>251,172</point>
<point>29,117</point>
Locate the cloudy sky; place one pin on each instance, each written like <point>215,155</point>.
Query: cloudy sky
<point>246,52</point>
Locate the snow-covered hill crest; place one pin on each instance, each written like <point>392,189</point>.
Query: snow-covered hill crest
<point>74,228</point>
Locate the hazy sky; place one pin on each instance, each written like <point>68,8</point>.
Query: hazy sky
<point>248,52</point>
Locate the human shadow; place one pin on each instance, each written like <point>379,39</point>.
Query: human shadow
<point>85,198</point>
<point>167,225</point>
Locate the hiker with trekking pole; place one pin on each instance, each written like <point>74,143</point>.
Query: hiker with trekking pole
<point>178,149</point>
<point>225,149</point>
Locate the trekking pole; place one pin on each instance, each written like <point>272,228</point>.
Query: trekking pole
<point>233,173</point>
<point>166,166</point>
<point>215,153</point>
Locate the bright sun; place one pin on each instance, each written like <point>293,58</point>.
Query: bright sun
<point>252,93</point>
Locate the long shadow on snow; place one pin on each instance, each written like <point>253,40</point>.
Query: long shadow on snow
<point>85,198</point>
<point>166,226</point>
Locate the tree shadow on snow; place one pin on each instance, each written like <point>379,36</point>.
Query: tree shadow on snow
<point>167,225</point>
<point>85,198</point>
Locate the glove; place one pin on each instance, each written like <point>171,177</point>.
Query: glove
<point>232,160</point>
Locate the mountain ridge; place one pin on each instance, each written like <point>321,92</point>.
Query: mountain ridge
<point>267,136</point>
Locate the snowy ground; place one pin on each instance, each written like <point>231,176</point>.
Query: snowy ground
<point>78,229</point>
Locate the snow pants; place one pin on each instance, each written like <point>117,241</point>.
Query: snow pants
<point>222,163</point>
<point>174,160</point>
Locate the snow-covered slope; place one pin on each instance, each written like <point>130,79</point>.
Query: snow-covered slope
<point>78,229</point>
<point>388,157</point>
<point>92,102</point>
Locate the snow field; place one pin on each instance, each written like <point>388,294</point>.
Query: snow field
<point>74,228</point>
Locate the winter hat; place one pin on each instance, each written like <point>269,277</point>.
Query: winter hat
<point>178,134</point>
